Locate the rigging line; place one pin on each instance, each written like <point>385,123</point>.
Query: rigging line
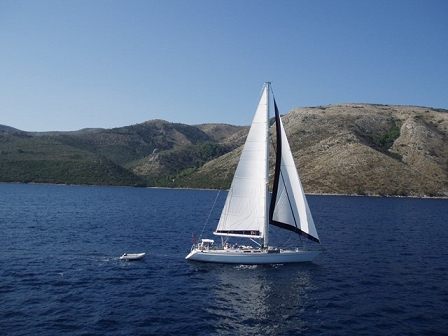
<point>224,179</point>
<point>214,204</point>
<point>290,204</point>
<point>209,214</point>
<point>255,241</point>
<point>289,200</point>
<point>287,242</point>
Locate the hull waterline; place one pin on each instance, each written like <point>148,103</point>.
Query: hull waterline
<point>251,258</point>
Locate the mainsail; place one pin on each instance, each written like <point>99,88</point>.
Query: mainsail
<point>289,208</point>
<point>245,210</point>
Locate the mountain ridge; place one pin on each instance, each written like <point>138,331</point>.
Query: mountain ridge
<point>357,149</point>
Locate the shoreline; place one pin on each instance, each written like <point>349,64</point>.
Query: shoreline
<point>205,189</point>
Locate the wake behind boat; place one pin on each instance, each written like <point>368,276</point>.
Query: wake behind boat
<point>132,256</point>
<point>249,209</point>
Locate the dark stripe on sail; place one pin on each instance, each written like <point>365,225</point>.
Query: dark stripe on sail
<point>278,160</point>
<point>240,232</point>
<point>295,230</point>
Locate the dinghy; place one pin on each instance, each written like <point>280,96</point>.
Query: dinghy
<point>132,256</point>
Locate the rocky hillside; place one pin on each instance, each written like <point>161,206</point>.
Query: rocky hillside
<point>359,149</point>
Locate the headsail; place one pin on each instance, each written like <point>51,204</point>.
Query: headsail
<point>245,210</point>
<point>289,207</point>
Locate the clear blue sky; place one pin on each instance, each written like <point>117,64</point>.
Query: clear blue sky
<point>71,64</point>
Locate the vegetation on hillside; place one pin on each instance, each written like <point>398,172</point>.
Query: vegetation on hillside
<point>183,162</point>
<point>107,157</point>
<point>384,140</point>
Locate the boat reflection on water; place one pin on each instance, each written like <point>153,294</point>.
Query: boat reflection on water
<point>258,299</point>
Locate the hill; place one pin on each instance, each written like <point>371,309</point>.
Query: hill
<point>363,149</point>
<point>360,149</point>
<point>118,156</point>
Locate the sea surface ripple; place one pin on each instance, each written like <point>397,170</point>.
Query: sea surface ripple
<point>383,269</point>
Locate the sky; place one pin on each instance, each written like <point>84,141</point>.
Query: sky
<point>73,64</point>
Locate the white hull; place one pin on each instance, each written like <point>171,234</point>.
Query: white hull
<point>251,257</point>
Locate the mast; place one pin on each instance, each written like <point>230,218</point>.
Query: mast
<point>266,209</point>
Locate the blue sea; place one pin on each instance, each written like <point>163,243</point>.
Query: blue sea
<point>383,270</point>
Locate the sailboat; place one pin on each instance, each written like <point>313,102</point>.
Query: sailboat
<point>250,209</point>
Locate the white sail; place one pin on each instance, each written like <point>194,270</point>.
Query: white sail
<point>245,210</point>
<point>289,207</point>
